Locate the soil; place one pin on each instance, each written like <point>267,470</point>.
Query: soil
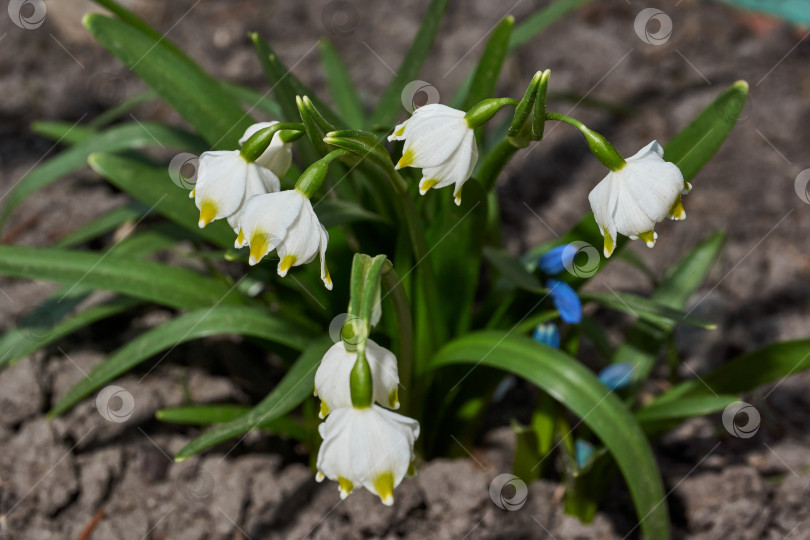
<point>81,474</point>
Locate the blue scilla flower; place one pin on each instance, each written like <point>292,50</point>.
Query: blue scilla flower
<point>566,301</point>
<point>584,452</point>
<point>617,376</point>
<point>557,259</point>
<point>547,334</point>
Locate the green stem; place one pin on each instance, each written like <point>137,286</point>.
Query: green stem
<point>496,160</point>
<point>255,146</point>
<point>402,311</point>
<point>600,147</point>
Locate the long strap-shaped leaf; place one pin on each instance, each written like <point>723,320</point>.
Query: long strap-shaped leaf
<point>294,388</point>
<point>197,324</point>
<point>153,186</point>
<point>194,94</point>
<point>160,283</point>
<point>390,104</point>
<point>115,139</point>
<point>577,388</point>
<point>341,86</point>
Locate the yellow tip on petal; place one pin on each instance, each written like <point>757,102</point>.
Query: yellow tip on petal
<point>319,476</point>
<point>327,278</point>
<point>324,410</point>
<point>286,263</point>
<point>458,198</point>
<point>411,469</point>
<point>393,399</point>
<point>609,246</point>
<point>240,238</point>
<point>687,188</point>
<point>406,160</point>
<point>192,193</point>
<point>259,245</point>
<point>400,131</point>
<point>346,486</point>
<point>384,486</point>
<point>425,185</point>
<point>208,211</point>
<point>677,211</point>
<point>649,238</point>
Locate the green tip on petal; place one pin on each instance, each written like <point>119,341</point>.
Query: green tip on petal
<point>346,486</point>
<point>609,246</point>
<point>324,410</point>
<point>384,486</point>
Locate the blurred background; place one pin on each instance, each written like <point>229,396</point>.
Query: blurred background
<point>632,82</point>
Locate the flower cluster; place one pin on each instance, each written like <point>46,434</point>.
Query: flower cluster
<point>368,446</point>
<point>248,194</point>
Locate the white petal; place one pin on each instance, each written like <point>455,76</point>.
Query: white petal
<point>629,218</point>
<point>651,150</point>
<point>266,220</point>
<point>431,141</point>
<point>301,243</point>
<point>220,187</point>
<point>278,155</point>
<point>654,184</point>
<point>325,276</point>
<point>259,181</point>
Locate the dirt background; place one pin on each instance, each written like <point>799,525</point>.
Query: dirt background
<point>57,476</point>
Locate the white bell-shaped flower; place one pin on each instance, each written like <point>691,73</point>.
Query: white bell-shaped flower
<point>286,222</point>
<point>630,201</point>
<point>225,182</point>
<point>439,141</point>
<point>332,377</point>
<point>370,447</point>
<point>278,156</point>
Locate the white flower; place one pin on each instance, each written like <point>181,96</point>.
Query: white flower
<point>225,181</point>
<point>439,141</point>
<point>370,447</point>
<point>278,156</point>
<point>334,373</point>
<point>632,200</point>
<point>286,222</point>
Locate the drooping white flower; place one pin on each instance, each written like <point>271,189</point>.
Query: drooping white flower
<point>332,377</point>
<point>225,182</point>
<point>278,156</point>
<point>439,141</point>
<point>286,222</point>
<point>370,447</point>
<point>630,201</point>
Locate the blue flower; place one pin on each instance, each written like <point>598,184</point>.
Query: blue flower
<point>566,301</point>
<point>617,376</point>
<point>547,334</point>
<point>557,259</point>
<point>584,452</point>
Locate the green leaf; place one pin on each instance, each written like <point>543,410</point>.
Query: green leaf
<point>153,186</point>
<point>159,283</point>
<point>128,105</point>
<point>214,321</point>
<point>744,373</point>
<point>646,309</point>
<point>341,86</point>
<point>390,104</point>
<point>205,415</point>
<point>113,219</point>
<point>295,387</point>
<point>683,408</point>
<point>254,100</point>
<point>194,94</point>
<point>115,139</point>
<point>573,385</point>
<point>486,73</point>
<point>513,270</point>
<point>336,212</point>
<point>68,133</point>
<point>540,20</point>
